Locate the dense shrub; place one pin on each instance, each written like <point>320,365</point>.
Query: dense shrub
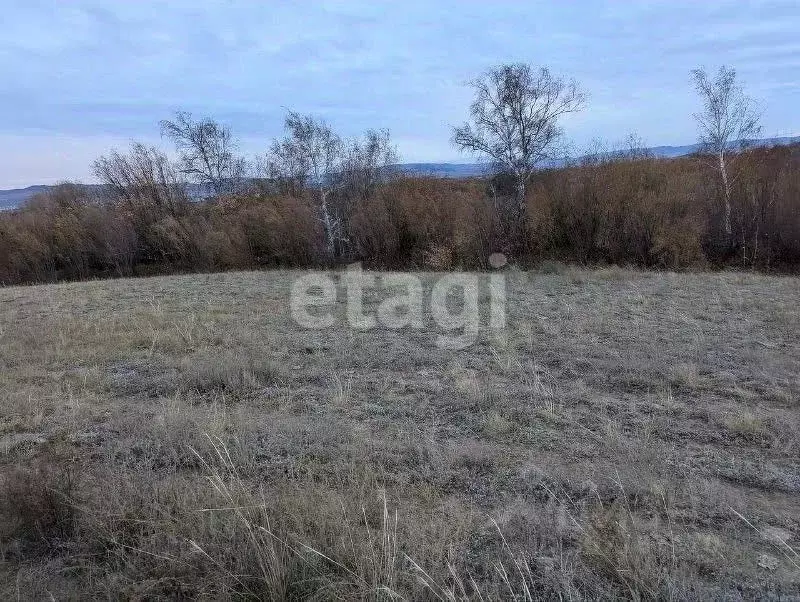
<point>421,222</point>
<point>625,210</point>
<point>642,211</point>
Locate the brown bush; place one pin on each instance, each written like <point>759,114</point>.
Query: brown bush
<point>622,210</point>
<point>639,211</point>
<point>412,218</point>
<point>37,506</point>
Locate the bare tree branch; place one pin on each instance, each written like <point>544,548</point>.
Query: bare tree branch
<point>144,179</point>
<point>514,120</point>
<point>207,152</point>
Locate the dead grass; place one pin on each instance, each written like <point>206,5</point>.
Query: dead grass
<point>235,371</point>
<point>630,435</point>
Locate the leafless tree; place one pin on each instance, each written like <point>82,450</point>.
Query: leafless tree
<point>281,171</point>
<point>514,122</point>
<point>631,148</point>
<point>728,119</point>
<point>144,179</point>
<point>339,173</point>
<point>366,164</point>
<point>207,152</point>
<point>145,182</point>
<point>312,153</point>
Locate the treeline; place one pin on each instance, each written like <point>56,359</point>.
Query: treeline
<point>622,208</point>
<point>316,198</point>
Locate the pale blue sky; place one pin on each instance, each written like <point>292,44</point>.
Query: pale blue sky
<point>82,76</point>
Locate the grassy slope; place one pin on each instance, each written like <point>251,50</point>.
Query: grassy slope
<point>631,433</point>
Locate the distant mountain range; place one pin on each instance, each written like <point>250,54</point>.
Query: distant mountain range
<point>9,199</point>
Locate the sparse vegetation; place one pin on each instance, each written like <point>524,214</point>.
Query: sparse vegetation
<point>632,435</point>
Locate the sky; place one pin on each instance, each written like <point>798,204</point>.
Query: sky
<point>80,77</point>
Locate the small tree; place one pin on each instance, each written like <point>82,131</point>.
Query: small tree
<point>338,172</point>
<point>728,119</point>
<point>311,153</point>
<point>366,164</point>
<point>515,115</point>
<point>207,152</point>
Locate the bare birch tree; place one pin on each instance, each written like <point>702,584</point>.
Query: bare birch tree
<point>728,119</point>
<point>207,152</point>
<point>367,163</point>
<point>514,122</point>
<point>339,173</point>
<point>312,153</point>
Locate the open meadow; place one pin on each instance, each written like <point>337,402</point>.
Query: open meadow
<point>628,435</point>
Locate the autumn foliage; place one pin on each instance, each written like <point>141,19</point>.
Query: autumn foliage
<point>640,211</point>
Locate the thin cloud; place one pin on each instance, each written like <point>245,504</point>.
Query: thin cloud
<point>86,70</point>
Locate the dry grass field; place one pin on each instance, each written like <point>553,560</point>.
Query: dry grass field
<point>630,435</point>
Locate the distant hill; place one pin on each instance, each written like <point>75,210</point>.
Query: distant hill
<point>9,199</point>
<point>668,152</point>
<point>469,170</point>
<point>444,170</point>
<point>13,198</point>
